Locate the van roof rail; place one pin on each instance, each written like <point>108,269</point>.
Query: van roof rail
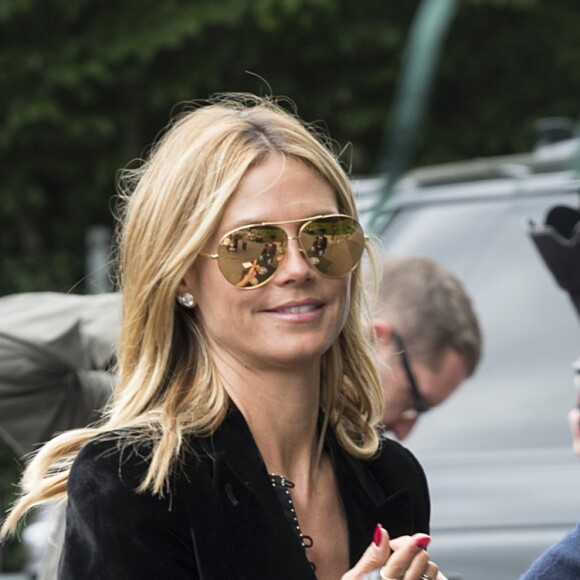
<point>549,158</point>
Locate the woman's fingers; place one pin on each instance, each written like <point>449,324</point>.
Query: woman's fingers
<point>409,559</point>
<point>403,558</point>
<point>373,558</point>
<point>415,568</point>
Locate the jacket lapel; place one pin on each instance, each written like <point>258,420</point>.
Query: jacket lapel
<point>247,522</point>
<point>238,525</point>
<point>367,501</point>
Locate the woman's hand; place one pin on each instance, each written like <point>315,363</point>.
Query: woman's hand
<point>252,271</point>
<point>398,559</point>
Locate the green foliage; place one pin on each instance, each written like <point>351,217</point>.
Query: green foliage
<point>506,64</point>
<point>86,85</point>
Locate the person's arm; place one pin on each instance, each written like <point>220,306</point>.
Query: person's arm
<point>54,354</point>
<point>114,533</point>
<point>561,561</point>
<point>252,271</point>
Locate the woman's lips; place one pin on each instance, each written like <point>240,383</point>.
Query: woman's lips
<point>304,309</point>
<point>297,309</point>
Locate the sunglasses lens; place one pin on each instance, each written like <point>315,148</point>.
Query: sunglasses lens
<point>249,257</point>
<point>334,244</point>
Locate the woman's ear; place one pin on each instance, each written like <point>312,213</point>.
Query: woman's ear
<point>186,283</point>
<point>185,295</point>
<point>183,286</point>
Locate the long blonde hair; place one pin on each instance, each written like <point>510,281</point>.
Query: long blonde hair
<point>167,385</point>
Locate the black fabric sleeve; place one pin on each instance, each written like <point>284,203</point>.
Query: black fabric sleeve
<point>398,467</point>
<point>114,533</point>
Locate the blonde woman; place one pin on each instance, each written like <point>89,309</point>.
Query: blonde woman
<point>240,441</point>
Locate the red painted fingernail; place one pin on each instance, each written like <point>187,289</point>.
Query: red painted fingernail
<point>377,536</point>
<point>423,542</point>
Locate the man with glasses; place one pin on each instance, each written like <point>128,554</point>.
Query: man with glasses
<point>427,337</point>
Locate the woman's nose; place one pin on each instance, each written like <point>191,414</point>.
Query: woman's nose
<point>294,265</point>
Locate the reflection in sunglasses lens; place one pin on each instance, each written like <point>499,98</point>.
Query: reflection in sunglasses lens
<point>249,256</point>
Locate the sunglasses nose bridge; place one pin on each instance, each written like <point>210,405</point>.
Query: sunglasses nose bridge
<point>298,240</point>
<point>288,257</point>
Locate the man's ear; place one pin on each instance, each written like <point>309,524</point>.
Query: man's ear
<point>382,331</point>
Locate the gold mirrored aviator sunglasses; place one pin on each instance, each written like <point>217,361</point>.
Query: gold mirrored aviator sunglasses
<point>249,256</point>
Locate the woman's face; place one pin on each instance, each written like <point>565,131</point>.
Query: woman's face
<point>299,313</point>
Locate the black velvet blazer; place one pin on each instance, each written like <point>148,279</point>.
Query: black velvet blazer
<point>223,519</point>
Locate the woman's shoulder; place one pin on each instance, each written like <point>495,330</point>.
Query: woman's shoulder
<point>110,470</point>
<point>394,453</point>
<point>115,530</point>
<point>395,465</point>
<point>111,458</point>
<point>123,458</point>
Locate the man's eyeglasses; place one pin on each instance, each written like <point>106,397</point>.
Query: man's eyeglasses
<point>419,403</point>
<point>249,256</point>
